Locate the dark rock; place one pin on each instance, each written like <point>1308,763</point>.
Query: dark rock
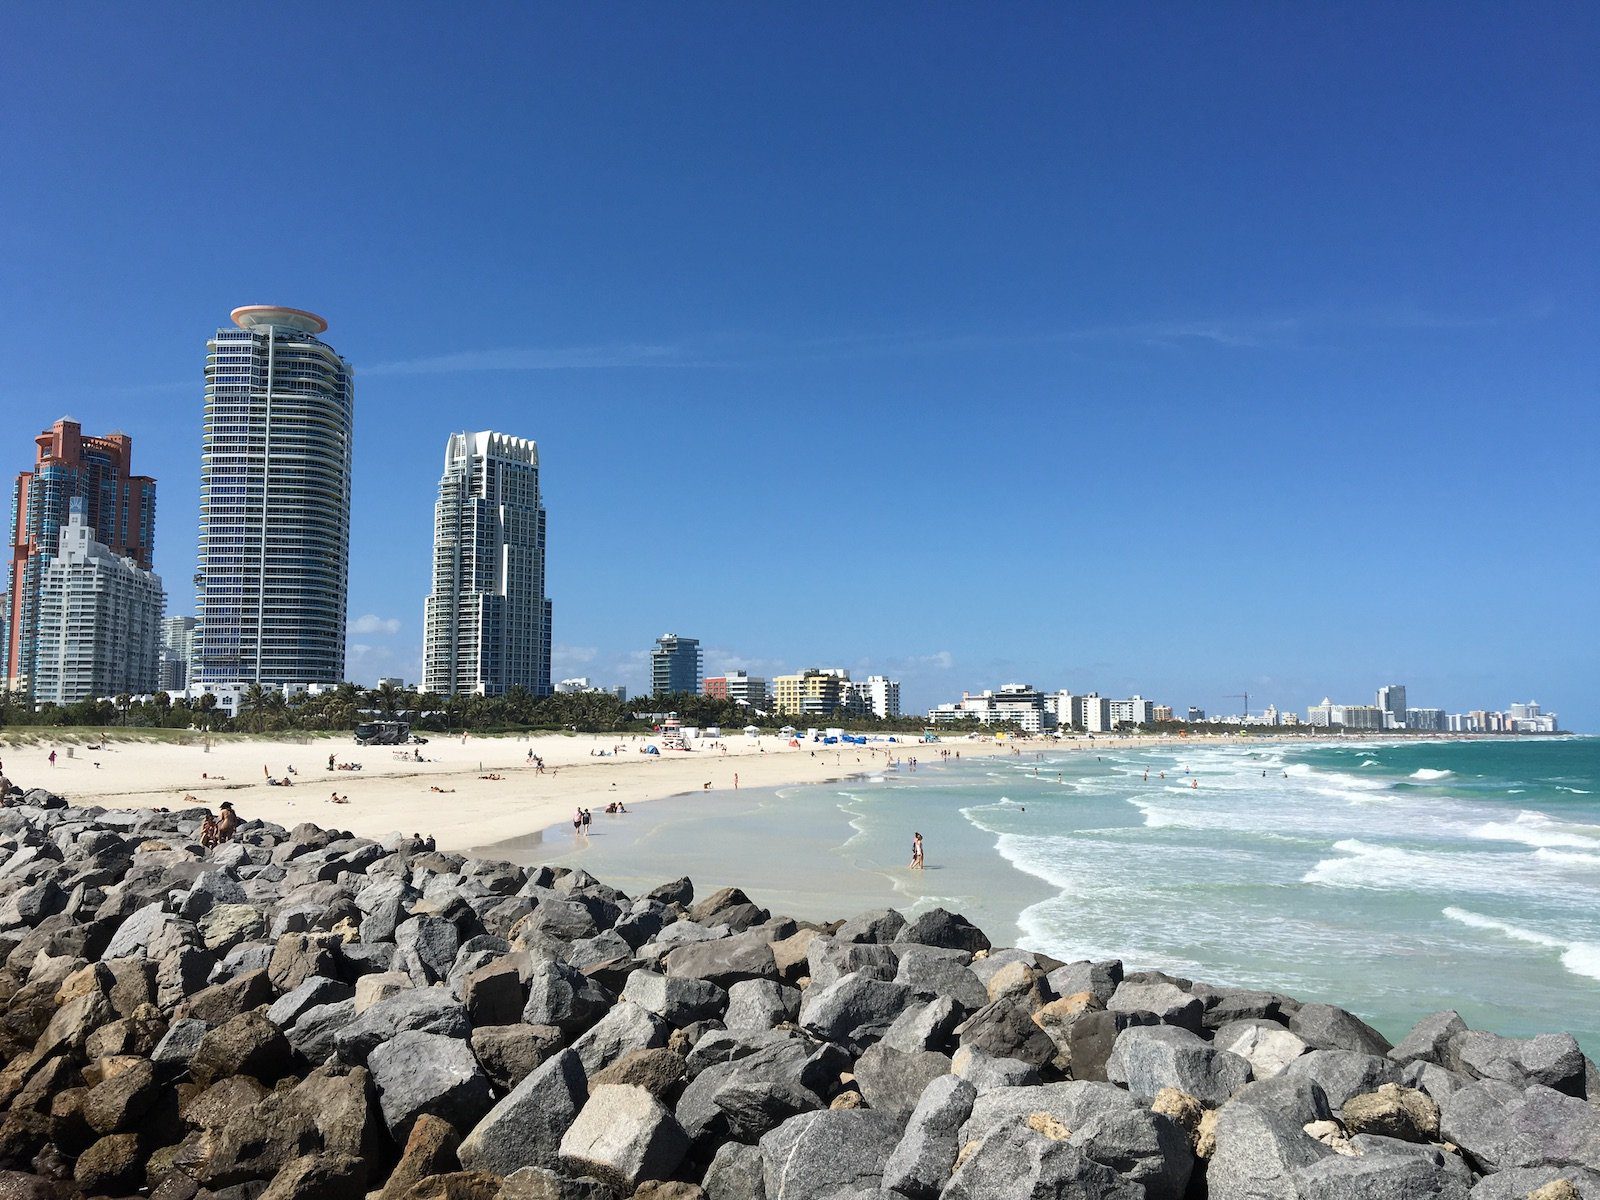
<point>113,1165</point>
<point>1551,1059</point>
<point>679,892</point>
<point>417,1010</point>
<point>418,1073</point>
<point>893,1080</point>
<point>1005,1029</point>
<point>430,1150</point>
<point>1429,1040</point>
<point>1376,1177</point>
<point>223,1001</point>
<point>249,1044</point>
<point>882,925</point>
<point>930,975</point>
<point>1101,978</point>
<point>856,1011</point>
<point>1500,1127</point>
<point>315,1035</point>
<point>178,1045</point>
<point>315,991</point>
<point>930,1026</point>
<point>118,1104</point>
<point>1342,1074</point>
<point>318,1177</point>
<point>1325,1027</point>
<point>724,961</point>
<point>494,995</point>
<point>1022,1162</point>
<point>525,1128</point>
<point>299,956</point>
<point>735,1173</point>
<point>626,1028</point>
<point>508,1053</point>
<point>938,927</point>
<point>561,996</point>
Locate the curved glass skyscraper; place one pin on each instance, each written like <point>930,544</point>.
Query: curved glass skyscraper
<point>274,561</point>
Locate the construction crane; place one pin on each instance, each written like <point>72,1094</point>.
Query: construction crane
<point>1245,696</point>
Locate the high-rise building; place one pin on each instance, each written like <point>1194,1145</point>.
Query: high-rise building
<point>119,510</point>
<point>487,622</point>
<point>675,665</point>
<point>814,692</point>
<point>1392,700</point>
<point>274,559</point>
<point>99,620</point>
<point>739,686</point>
<point>177,649</point>
<point>876,694</point>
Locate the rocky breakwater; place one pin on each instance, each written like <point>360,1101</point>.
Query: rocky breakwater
<point>300,1014</point>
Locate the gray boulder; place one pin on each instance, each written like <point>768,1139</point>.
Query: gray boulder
<point>735,1173</point>
<point>1147,1058</point>
<point>315,1034</point>
<point>1172,1005</point>
<point>893,1080</point>
<point>930,1026</point>
<point>856,1011</point>
<point>1500,1127</point>
<point>922,1160</point>
<point>832,1155</point>
<point>931,975</point>
<point>939,927</point>
<point>880,926</point>
<point>1325,1027</point>
<point>761,1004</point>
<point>319,989</point>
<point>561,996</point>
<point>1092,1036</point>
<point>1101,978</point>
<point>1551,1059</point>
<point>626,1028</point>
<point>623,1135</point>
<point>418,1073</point>
<point>1429,1040</point>
<point>681,1001</point>
<point>1261,1140</point>
<point>525,1128</point>
<point>416,1010</point>
<point>1033,1160</point>
<point>1342,1074</point>
<point>1517,1183</point>
<point>986,1072</point>
<point>724,961</point>
<point>1377,1177</point>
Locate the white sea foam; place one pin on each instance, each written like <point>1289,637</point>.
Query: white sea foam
<point>1536,829</point>
<point>1581,958</point>
<point>1429,773</point>
<point>1566,857</point>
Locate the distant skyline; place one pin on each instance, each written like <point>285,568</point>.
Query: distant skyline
<point>1109,349</point>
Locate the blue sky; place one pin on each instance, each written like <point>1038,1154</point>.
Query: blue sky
<point>1093,346</point>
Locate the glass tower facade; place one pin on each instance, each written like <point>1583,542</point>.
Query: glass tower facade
<point>676,665</point>
<point>274,559</point>
<point>487,622</point>
<point>116,506</point>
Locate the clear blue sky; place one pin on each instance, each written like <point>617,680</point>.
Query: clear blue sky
<point>1097,346</point>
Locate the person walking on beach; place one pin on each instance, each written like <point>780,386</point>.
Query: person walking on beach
<point>52,758</point>
<point>916,852</point>
<point>577,823</point>
<point>586,819</point>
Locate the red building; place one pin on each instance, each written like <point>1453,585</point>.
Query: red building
<point>121,508</point>
<point>716,687</point>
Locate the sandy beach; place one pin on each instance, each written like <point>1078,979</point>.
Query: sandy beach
<point>445,795</point>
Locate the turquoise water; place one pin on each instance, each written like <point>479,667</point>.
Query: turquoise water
<point>1394,879</point>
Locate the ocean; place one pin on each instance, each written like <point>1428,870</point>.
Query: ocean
<point>1392,878</point>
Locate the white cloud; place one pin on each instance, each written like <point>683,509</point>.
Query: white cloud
<point>371,623</point>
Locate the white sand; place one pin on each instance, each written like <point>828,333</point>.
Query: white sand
<point>394,793</point>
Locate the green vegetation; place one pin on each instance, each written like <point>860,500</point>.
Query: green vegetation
<point>337,711</point>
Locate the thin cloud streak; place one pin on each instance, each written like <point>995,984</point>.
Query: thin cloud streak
<point>532,358</point>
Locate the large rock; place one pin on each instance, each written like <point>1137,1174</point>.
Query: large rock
<point>1267,1046</point>
<point>1100,978</point>
<point>418,1073</point>
<point>1261,1140</point>
<point>561,996</point>
<point>761,1004</point>
<point>893,1080</point>
<point>682,1001</point>
<point>418,1010</point>
<point>1551,1059</point>
<point>922,1161</point>
<point>1147,1058</point>
<point>1377,1177</point>
<point>623,1135</point>
<point>938,927</point>
<point>1500,1127</point>
<point>1344,1073</point>
<point>118,1104</point>
<point>855,1011</point>
<point>624,1029</point>
<point>249,1044</point>
<point>1006,1029</point>
<point>1325,1027</point>
<point>724,961</point>
<point>1429,1040</point>
<point>833,1155</point>
<point>735,1174</point>
<point>931,973</point>
<point>1033,1160</point>
<point>880,925</point>
<point>1172,1005</point>
<point>525,1128</point>
<point>509,1053</point>
<point>316,990</point>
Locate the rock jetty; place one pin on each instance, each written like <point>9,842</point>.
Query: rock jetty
<point>300,1014</point>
